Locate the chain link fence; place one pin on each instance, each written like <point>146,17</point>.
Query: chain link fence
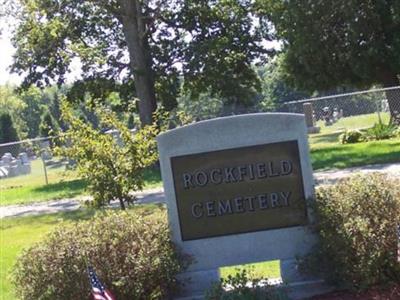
<point>348,111</point>
<point>29,171</point>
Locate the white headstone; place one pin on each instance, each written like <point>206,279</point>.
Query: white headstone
<point>23,156</point>
<point>7,158</point>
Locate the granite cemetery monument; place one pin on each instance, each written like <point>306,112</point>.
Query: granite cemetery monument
<point>237,191</point>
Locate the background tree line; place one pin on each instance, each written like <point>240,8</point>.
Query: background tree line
<point>29,114</point>
<point>213,52</point>
<point>35,112</point>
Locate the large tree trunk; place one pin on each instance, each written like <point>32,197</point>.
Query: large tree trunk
<point>393,98</point>
<point>134,28</point>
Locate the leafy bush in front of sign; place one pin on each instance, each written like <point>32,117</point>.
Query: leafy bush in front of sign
<point>131,253</point>
<point>242,286</point>
<point>357,220</point>
<point>112,165</point>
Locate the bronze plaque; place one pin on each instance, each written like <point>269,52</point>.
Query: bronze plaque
<point>239,190</point>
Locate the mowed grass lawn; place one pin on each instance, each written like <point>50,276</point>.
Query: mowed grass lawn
<point>22,232</point>
<point>32,187</point>
<point>330,155</point>
<point>354,122</point>
<point>268,269</point>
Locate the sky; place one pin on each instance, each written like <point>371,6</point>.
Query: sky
<point>6,52</point>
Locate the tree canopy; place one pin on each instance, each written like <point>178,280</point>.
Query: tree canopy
<point>26,108</point>
<point>142,49</point>
<point>8,133</point>
<point>332,43</point>
<point>275,89</point>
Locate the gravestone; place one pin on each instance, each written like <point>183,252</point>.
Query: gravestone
<point>7,158</point>
<point>11,166</point>
<point>14,167</point>
<point>45,150</point>
<point>237,191</point>
<point>3,172</point>
<point>23,156</point>
<point>25,167</point>
<point>310,119</point>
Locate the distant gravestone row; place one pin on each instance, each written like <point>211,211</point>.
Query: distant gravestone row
<point>11,166</point>
<point>237,191</point>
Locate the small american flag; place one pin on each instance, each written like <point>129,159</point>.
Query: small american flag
<point>99,292</point>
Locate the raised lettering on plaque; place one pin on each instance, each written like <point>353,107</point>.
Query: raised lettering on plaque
<point>239,190</point>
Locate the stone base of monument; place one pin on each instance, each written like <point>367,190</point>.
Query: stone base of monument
<point>306,289</point>
<point>313,129</point>
<point>296,285</point>
<point>195,284</point>
<point>299,285</point>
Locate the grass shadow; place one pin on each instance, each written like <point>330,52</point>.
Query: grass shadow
<point>48,219</point>
<point>86,213</point>
<point>72,186</point>
<point>325,138</point>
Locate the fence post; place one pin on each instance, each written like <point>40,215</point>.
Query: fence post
<point>378,110</point>
<point>44,168</point>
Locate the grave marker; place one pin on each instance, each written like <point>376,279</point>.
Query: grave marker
<point>310,118</point>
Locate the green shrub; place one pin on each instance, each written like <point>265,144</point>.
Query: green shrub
<point>351,137</point>
<point>397,131</point>
<point>380,131</point>
<point>357,221</point>
<point>131,253</point>
<point>112,166</point>
<point>243,287</point>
